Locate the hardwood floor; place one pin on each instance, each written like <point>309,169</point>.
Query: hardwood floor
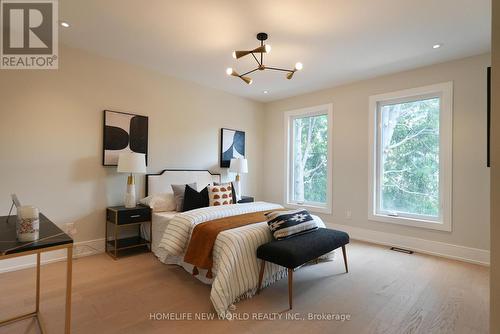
<point>384,292</point>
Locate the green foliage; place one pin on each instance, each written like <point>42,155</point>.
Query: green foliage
<point>410,160</point>
<point>315,167</point>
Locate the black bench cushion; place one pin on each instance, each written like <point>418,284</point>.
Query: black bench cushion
<point>296,251</point>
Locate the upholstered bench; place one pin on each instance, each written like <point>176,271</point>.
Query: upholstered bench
<point>296,251</point>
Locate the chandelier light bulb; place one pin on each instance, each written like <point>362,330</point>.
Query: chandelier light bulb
<point>298,66</point>
<point>234,54</point>
<point>229,71</point>
<point>268,48</point>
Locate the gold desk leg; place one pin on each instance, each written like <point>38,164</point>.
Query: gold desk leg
<point>116,241</point>
<point>38,255</point>
<point>69,267</point>
<point>41,323</point>
<point>106,239</point>
<point>17,318</point>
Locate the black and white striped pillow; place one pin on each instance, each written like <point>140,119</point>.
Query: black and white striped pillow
<point>286,224</point>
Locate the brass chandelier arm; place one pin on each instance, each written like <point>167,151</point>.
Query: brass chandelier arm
<point>242,75</point>
<point>278,69</point>
<point>256,59</point>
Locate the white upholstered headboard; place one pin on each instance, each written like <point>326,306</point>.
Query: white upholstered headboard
<point>161,182</point>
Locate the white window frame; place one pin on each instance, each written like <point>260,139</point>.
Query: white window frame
<point>289,116</point>
<point>445,92</point>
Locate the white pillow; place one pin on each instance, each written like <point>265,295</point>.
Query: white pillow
<point>160,202</point>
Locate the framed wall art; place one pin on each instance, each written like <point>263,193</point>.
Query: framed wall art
<point>123,132</point>
<point>232,146</point>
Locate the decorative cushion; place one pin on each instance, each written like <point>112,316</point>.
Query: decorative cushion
<point>195,200</point>
<point>233,192</point>
<point>286,224</point>
<point>221,194</point>
<point>160,202</point>
<point>293,252</point>
<point>179,190</point>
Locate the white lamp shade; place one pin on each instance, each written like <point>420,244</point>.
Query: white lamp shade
<point>131,162</point>
<point>239,166</point>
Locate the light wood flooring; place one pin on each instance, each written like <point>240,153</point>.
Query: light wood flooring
<point>384,292</point>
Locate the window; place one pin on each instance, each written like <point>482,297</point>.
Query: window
<point>411,157</point>
<point>308,167</point>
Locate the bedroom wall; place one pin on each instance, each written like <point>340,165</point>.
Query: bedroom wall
<point>495,172</point>
<point>470,236</point>
<point>51,134</point>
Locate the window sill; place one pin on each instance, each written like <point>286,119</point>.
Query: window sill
<point>311,208</point>
<point>420,223</point>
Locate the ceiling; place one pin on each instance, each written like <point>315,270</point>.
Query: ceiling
<point>338,41</point>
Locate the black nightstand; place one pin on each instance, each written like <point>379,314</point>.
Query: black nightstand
<point>246,199</point>
<point>121,216</point>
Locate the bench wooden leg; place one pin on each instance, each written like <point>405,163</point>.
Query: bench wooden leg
<point>261,274</point>
<point>345,258</point>
<point>290,287</point>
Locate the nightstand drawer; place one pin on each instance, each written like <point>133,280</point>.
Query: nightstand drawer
<point>128,216</point>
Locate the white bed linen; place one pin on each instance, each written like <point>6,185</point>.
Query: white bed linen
<point>235,264</point>
<point>160,222</point>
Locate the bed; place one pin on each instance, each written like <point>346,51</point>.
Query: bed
<point>235,272</point>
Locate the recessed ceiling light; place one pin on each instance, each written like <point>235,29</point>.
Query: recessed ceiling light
<point>265,92</point>
<point>65,24</point>
<point>437,46</point>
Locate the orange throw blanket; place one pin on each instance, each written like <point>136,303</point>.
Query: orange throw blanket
<point>199,252</point>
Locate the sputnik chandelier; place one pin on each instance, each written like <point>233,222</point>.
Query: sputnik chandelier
<point>263,48</point>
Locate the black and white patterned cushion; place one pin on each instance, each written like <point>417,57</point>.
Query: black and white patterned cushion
<point>286,224</point>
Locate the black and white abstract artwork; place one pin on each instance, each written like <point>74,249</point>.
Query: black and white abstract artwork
<point>232,146</point>
<point>123,132</point>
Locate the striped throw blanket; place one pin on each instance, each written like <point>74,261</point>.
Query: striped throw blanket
<point>200,248</point>
<point>235,267</point>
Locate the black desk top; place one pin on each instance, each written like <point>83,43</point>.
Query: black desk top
<point>50,235</point>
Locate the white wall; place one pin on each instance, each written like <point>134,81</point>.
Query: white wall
<point>350,154</point>
<point>51,134</point>
<point>495,172</point>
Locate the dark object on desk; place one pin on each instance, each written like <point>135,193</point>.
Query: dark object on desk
<point>121,216</point>
<point>51,238</point>
<point>246,199</point>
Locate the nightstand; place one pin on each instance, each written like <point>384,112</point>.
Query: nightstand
<point>120,216</point>
<point>246,199</point>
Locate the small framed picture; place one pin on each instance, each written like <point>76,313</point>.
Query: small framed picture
<point>232,146</point>
<point>123,132</point>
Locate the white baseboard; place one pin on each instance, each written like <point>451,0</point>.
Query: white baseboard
<point>80,249</point>
<point>456,252</point>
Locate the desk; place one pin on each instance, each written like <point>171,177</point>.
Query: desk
<point>51,238</point>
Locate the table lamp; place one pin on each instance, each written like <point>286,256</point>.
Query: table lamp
<point>133,163</point>
<point>238,166</point>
